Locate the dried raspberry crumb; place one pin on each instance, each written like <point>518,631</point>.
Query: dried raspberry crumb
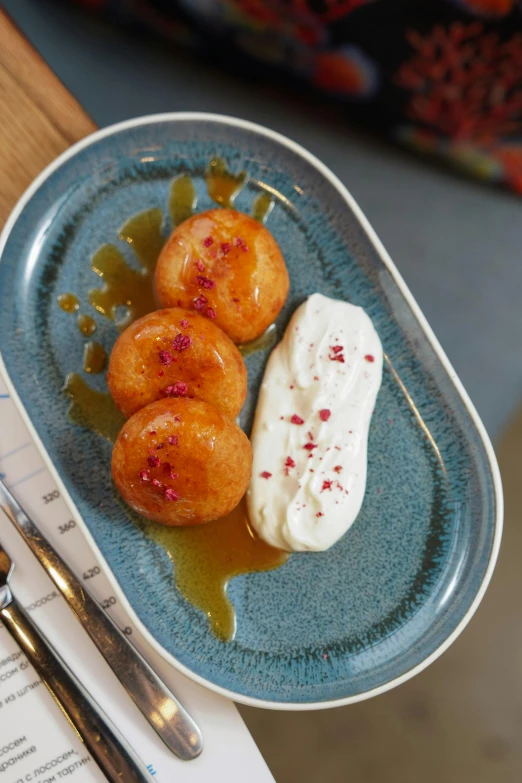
<point>200,302</point>
<point>165,358</point>
<point>369,358</point>
<point>160,446</point>
<point>152,432</point>
<point>296,419</point>
<point>173,440</point>
<point>183,323</point>
<point>173,475</point>
<point>178,389</point>
<point>327,484</point>
<point>235,299</point>
<point>338,468</point>
<point>208,241</point>
<point>316,377</point>
<point>244,248</point>
<point>200,265</point>
<point>153,461</point>
<point>292,386</point>
<point>171,494</point>
<point>211,313</point>
<point>310,446</point>
<point>266,475</point>
<point>161,374</point>
<point>239,242</point>
<point>225,248</point>
<point>205,282</point>
<point>289,464</point>
<point>324,414</point>
<point>325,657</point>
<point>145,475</point>
<point>156,483</point>
<point>319,514</point>
<point>181,342</point>
<point>166,467</point>
<point>337,351</point>
<point>177,418</point>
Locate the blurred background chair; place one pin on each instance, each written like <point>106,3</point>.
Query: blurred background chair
<point>442,77</point>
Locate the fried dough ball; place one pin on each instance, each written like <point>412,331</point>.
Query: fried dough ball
<point>176,353</point>
<point>226,266</point>
<point>181,462</point>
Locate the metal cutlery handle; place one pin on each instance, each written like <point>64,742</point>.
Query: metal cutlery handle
<point>159,706</point>
<point>116,761</point>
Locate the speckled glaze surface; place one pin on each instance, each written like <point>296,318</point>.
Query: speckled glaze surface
<point>328,627</point>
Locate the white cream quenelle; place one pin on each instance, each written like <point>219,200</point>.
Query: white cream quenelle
<point>311,426</point>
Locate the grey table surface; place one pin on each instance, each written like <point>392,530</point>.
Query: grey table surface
<point>456,242</point>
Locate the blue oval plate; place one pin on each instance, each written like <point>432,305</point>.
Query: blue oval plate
<point>325,629</point>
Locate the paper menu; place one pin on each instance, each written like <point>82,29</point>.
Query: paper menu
<point>36,742</point>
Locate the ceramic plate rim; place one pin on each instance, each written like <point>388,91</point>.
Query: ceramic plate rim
<point>408,296</point>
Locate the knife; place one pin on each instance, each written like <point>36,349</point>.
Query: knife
<point>160,707</point>
<point>110,751</point>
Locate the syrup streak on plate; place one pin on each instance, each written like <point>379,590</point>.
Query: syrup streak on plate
<point>311,426</point>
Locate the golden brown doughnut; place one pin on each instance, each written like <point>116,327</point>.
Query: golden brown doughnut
<point>181,462</point>
<point>228,267</point>
<point>175,352</point>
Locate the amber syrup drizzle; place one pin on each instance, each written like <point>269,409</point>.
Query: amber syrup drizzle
<point>263,342</point>
<point>182,199</point>
<point>262,207</point>
<point>94,357</point>
<point>68,303</point>
<point>223,186</point>
<point>86,324</point>
<point>205,557</point>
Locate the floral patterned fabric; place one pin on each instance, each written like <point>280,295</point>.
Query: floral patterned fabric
<point>443,77</point>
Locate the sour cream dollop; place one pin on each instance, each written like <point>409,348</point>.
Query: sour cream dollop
<point>311,426</point>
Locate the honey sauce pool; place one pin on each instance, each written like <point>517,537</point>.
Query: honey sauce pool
<point>123,285</point>
<point>205,557</point>
<point>92,409</point>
